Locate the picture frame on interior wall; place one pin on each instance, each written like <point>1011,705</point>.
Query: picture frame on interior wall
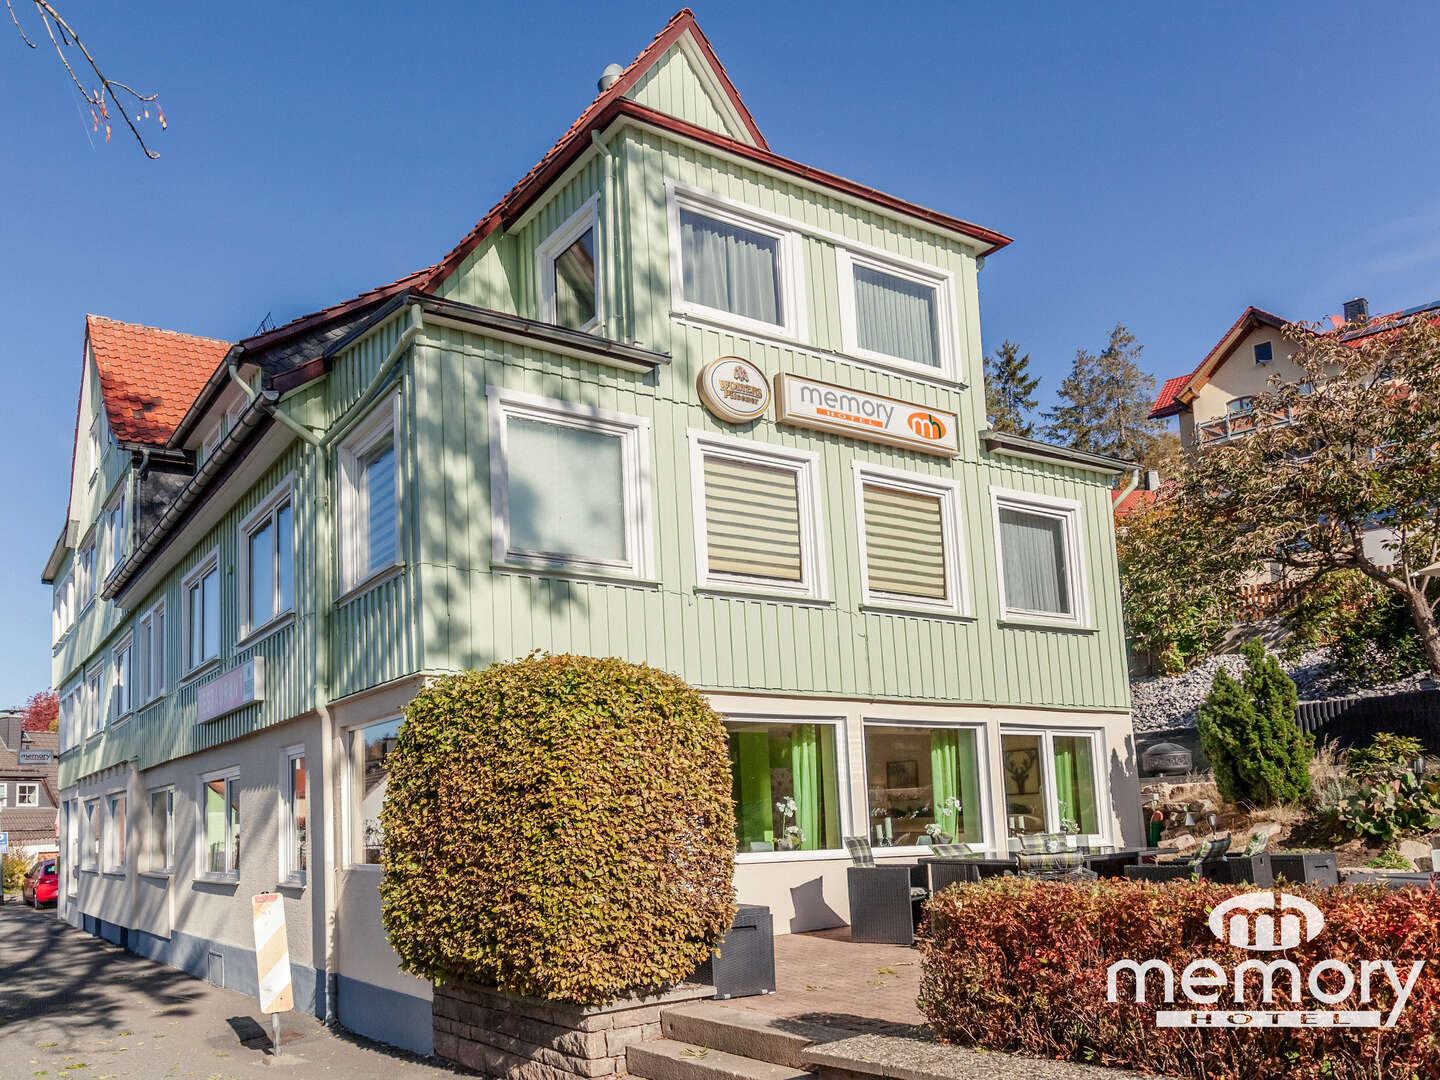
<point>1072,593</point>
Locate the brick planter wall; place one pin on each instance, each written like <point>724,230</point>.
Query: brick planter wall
<point>519,1038</point>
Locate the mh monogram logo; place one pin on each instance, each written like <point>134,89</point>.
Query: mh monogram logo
<point>1251,921</point>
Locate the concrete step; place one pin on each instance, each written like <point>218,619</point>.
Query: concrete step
<point>745,1032</point>
<point>669,1059</point>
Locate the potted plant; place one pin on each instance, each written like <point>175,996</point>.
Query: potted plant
<point>949,808</point>
<point>793,836</point>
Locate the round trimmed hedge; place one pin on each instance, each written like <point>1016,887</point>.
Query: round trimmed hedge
<point>559,827</point>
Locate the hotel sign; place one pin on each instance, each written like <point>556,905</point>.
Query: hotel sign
<point>34,757</point>
<point>237,688</point>
<point>734,389</point>
<point>823,406</point>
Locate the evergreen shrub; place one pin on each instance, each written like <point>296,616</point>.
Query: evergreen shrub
<point>558,827</point>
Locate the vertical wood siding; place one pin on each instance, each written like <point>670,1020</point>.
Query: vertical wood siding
<point>672,87</point>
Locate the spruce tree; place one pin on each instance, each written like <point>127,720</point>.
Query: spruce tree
<point>1010,390</point>
<point>1104,403</point>
<point>1248,730</point>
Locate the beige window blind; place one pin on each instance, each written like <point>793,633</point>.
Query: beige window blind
<point>752,520</point>
<point>904,543</point>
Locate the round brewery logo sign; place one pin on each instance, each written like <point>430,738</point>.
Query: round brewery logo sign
<point>734,389</point>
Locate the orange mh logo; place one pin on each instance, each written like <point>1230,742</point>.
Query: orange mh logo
<point>927,425</point>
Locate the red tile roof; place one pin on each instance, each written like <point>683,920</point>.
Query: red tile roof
<point>1167,402</point>
<point>149,377</point>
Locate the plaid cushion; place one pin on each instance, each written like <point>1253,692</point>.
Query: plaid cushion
<point>1258,843</point>
<point>859,848</point>
<point>1042,841</point>
<point>1045,862</point>
<point>951,850</point>
<point>1210,850</point>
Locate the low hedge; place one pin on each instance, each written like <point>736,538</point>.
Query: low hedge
<point>559,827</point>
<point>1021,966</point>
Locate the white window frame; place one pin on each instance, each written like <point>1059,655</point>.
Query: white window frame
<point>24,788</point>
<point>988,831</point>
<point>946,332</point>
<point>634,435</point>
<point>1098,758</point>
<point>957,586</point>
<point>843,784</point>
<point>4,794</point>
<point>86,578</point>
<point>1255,353</point>
<point>584,220</point>
<point>211,561</point>
<point>215,435</point>
<point>1068,512</point>
<point>115,535</point>
<point>231,776</point>
<point>95,454</point>
<point>95,703</point>
<point>74,817</point>
<point>94,842</point>
<point>382,423</point>
<point>72,716</point>
<point>290,872</point>
<point>122,663</point>
<point>168,790</point>
<point>353,820</point>
<point>115,841</point>
<point>150,683</point>
<point>264,514</point>
<point>789,253</point>
<point>62,606</point>
<point>806,467</point>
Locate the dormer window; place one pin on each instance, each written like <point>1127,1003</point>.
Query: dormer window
<point>1264,352</point>
<point>566,268</point>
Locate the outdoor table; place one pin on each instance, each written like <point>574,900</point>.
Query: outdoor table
<point>1111,861</point>
<point>946,870</point>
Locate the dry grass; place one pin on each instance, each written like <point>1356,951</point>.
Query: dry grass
<point>1329,778</point>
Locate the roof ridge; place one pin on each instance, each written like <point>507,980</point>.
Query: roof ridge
<point>156,329</point>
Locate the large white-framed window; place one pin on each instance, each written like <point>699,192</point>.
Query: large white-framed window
<point>95,700</point>
<point>927,782</point>
<point>1040,558</point>
<point>570,486</point>
<point>370,497</point>
<point>912,553</point>
<point>73,814</point>
<point>733,264</point>
<point>217,839</point>
<point>267,561</point>
<point>115,535</point>
<point>85,580</point>
<point>63,605</point>
<point>294,816</point>
<point>160,833</point>
<point>200,595</point>
<point>26,794</point>
<point>1055,782</point>
<point>148,668</point>
<point>94,834</point>
<point>4,795</point>
<point>757,517</point>
<point>114,847</point>
<point>122,679</point>
<point>897,313</point>
<point>790,785</point>
<point>567,271</point>
<point>369,747</point>
<point>72,717</point>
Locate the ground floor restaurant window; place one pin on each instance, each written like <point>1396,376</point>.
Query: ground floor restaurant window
<point>1050,783</point>
<point>786,786</point>
<point>370,749</point>
<point>923,785</point>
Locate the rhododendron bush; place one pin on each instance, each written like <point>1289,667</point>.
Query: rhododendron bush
<point>1022,966</point>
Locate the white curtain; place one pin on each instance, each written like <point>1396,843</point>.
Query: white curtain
<point>896,317</point>
<point>1033,553</point>
<point>566,491</point>
<point>730,268</point>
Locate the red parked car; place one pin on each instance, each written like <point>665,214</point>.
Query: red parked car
<point>42,883</point>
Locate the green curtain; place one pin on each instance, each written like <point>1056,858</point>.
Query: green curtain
<point>830,794</point>
<point>1075,781</point>
<point>955,774</point>
<point>754,814</point>
<point>805,769</point>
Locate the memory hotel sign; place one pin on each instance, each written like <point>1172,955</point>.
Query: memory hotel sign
<point>238,687</point>
<point>822,406</point>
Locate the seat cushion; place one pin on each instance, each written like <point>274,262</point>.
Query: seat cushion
<point>918,892</point>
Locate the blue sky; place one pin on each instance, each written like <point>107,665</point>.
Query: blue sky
<point>1157,165</point>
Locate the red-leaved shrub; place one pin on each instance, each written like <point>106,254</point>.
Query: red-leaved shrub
<point>1021,966</point>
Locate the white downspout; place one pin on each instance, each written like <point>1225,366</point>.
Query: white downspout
<point>607,235</point>
<point>352,415</point>
<point>284,417</point>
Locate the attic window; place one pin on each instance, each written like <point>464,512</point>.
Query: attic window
<point>565,268</point>
<point>1263,352</point>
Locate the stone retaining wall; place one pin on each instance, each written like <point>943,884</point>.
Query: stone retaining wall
<point>520,1038</point>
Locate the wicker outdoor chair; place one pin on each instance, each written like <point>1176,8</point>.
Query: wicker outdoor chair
<point>1068,865</point>
<point>1208,862</point>
<point>886,902</point>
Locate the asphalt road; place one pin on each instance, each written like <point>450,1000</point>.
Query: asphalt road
<point>73,1007</point>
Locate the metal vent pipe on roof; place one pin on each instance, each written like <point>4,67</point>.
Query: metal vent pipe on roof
<point>609,77</point>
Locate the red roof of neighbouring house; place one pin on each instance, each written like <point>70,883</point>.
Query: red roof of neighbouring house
<point>148,376</point>
<point>1132,502</point>
<point>1168,403</point>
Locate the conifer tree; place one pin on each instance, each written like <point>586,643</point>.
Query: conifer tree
<point>1010,390</point>
<point>1105,402</point>
<point>1248,730</point>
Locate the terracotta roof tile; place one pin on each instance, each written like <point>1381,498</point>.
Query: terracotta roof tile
<point>149,377</point>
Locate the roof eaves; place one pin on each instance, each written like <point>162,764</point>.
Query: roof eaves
<point>1000,442</point>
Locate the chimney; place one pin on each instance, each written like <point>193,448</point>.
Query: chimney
<point>11,725</point>
<point>1152,479</point>
<point>609,77</point>
<point>1357,310</point>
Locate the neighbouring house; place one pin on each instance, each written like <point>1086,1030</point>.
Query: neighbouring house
<point>676,398</point>
<point>29,803</point>
<point>1215,402</point>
